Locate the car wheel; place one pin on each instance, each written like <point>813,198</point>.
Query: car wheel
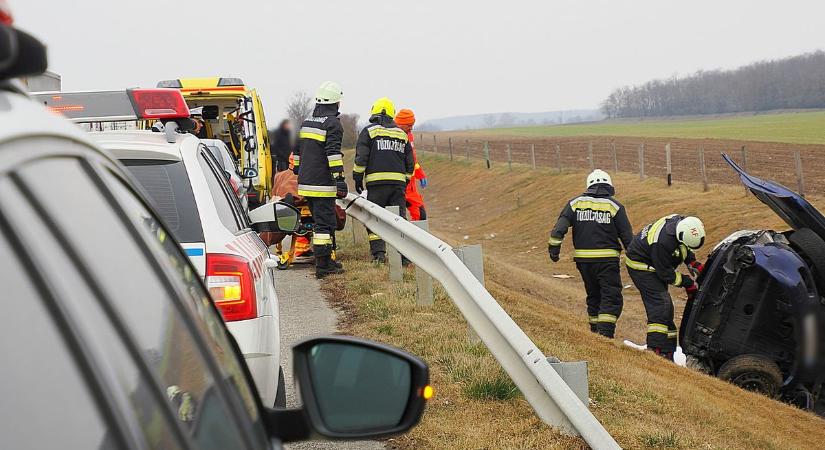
<point>812,249</point>
<point>280,394</point>
<point>753,373</point>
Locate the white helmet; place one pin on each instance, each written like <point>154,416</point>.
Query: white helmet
<point>691,232</point>
<point>328,93</point>
<point>598,176</point>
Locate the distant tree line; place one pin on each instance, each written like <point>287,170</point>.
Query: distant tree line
<point>795,82</point>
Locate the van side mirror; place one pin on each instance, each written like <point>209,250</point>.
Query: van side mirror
<point>249,172</point>
<point>353,388</point>
<point>276,216</point>
<point>8,46</point>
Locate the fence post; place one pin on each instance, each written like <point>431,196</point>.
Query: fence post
<point>473,258</point>
<point>509,157</point>
<point>423,280</point>
<point>393,257</point>
<point>745,166</point>
<point>615,157</point>
<point>467,148</point>
<point>642,161</point>
<point>487,153</point>
<point>667,164</point>
<point>590,155</point>
<point>558,157</point>
<point>702,169</point>
<point>533,155</point>
<point>435,144</point>
<point>800,178</point>
<point>450,145</point>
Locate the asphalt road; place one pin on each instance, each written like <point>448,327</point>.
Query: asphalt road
<point>305,313</point>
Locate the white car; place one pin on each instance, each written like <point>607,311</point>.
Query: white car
<point>189,190</point>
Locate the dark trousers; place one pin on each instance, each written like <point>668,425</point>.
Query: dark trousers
<point>603,283</point>
<point>323,231</point>
<point>280,165</point>
<point>385,195</point>
<point>661,331</point>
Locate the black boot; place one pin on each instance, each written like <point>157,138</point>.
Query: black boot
<point>664,354</point>
<point>379,258</point>
<point>324,265</point>
<point>607,330</point>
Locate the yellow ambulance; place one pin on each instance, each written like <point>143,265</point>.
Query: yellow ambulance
<point>233,113</point>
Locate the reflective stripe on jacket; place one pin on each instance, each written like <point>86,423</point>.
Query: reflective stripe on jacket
<point>656,249</point>
<point>319,159</point>
<point>383,153</point>
<point>600,225</point>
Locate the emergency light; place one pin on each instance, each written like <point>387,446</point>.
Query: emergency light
<point>116,106</point>
<point>5,14</point>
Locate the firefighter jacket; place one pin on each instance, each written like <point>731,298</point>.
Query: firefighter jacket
<point>319,160</point>
<point>656,249</point>
<point>600,225</point>
<point>383,154</point>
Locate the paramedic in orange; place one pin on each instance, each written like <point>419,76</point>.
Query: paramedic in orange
<point>405,119</point>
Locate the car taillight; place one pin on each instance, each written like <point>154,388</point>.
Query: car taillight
<point>229,280</point>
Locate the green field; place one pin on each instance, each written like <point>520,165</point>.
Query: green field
<point>796,128</point>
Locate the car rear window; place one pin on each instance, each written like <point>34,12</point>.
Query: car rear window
<point>167,185</point>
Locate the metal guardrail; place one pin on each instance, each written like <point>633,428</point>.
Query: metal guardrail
<point>553,401</point>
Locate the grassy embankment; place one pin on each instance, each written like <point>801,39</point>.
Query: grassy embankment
<point>793,128</point>
<point>643,401</point>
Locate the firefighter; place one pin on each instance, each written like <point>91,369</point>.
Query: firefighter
<point>384,165</point>
<point>600,229</point>
<point>405,119</point>
<point>652,259</point>
<point>320,168</point>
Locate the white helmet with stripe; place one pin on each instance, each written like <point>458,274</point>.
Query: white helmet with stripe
<point>329,93</point>
<point>598,176</point>
<point>691,232</point>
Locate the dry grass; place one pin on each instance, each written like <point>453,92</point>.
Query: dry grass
<point>643,401</point>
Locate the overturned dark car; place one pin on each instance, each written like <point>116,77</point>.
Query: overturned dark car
<point>758,319</point>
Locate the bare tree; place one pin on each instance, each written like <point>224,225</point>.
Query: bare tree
<point>350,123</point>
<point>489,121</point>
<point>299,108</point>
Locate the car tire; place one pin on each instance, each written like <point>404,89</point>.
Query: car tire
<point>753,373</point>
<point>280,394</point>
<point>812,249</point>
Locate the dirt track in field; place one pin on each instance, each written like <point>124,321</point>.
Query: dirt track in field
<point>765,159</point>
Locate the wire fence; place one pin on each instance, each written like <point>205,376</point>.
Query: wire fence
<point>798,166</point>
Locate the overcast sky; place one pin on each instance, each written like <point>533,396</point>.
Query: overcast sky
<point>440,58</point>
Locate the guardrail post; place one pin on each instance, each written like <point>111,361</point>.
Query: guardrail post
<point>423,280</point>
<point>393,257</point>
<point>473,258</point>
<point>533,155</point>
<point>358,231</point>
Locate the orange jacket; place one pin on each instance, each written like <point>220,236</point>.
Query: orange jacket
<point>414,198</point>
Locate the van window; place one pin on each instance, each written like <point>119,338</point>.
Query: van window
<point>166,183</point>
